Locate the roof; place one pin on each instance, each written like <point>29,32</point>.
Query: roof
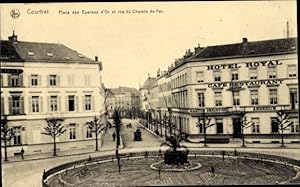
<point>133,91</point>
<point>37,51</point>
<point>116,91</point>
<point>241,50</point>
<point>149,83</point>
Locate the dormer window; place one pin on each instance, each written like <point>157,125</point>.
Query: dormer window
<point>293,47</point>
<point>80,56</point>
<point>67,58</point>
<point>50,54</point>
<point>30,53</point>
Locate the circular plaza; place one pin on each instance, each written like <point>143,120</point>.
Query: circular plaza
<point>217,168</point>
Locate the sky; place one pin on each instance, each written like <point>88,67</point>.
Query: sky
<point>136,39</point>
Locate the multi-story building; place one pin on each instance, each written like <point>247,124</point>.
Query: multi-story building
<point>225,81</point>
<point>46,80</point>
<point>124,99</point>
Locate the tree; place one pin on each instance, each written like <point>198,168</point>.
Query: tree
<point>7,134</point>
<point>173,155</point>
<point>54,129</point>
<point>203,124</point>
<point>244,125</point>
<point>96,127</point>
<point>118,122</point>
<point>283,122</point>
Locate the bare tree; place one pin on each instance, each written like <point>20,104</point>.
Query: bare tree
<point>204,123</point>
<point>244,125</point>
<point>118,122</point>
<point>54,129</point>
<point>96,127</point>
<point>7,134</point>
<point>283,122</point>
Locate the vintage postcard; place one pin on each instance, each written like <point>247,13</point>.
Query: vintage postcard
<point>149,94</point>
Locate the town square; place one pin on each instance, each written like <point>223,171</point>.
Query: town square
<point>149,94</point>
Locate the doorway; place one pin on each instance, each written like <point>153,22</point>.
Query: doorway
<point>236,127</point>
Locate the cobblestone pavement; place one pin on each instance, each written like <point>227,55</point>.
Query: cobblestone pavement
<point>29,171</point>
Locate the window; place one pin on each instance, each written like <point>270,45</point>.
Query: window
<point>34,80</point>
<point>295,125</point>
<point>1,81</point>
<point>234,75</point>
<point>88,102</point>
<point>53,80</point>
<point>293,98</point>
<point>255,126</point>
<point>72,131</point>
<point>292,71</point>
<point>53,103</point>
<point>15,105</point>
<point>71,103</point>
<point>14,80</point>
<point>254,97</point>
<point>272,73</point>
<point>273,97</point>
<point>35,103</point>
<point>274,126</point>
<point>17,136</point>
<point>88,132</point>
<point>236,98</point>
<point>200,76</point>
<point>219,123</point>
<point>218,98</point>
<point>253,73</point>
<point>201,99</point>
<point>217,75</point>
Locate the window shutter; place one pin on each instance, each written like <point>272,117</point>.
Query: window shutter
<point>20,82</point>
<point>48,80</point>
<point>48,102</point>
<point>41,104</point>
<point>39,80</point>
<point>83,103</point>
<point>58,80</point>
<point>92,103</point>
<point>2,106</point>
<point>29,81</point>
<point>77,103</point>
<point>9,80</point>
<point>59,103</point>
<point>10,105</point>
<point>22,105</point>
<point>29,105</point>
<point>67,102</point>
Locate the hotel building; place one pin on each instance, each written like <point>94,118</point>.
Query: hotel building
<point>221,82</point>
<point>46,80</point>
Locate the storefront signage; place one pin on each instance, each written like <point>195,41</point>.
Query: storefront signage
<point>246,83</point>
<point>263,108</point>
<point>208,110</point>
<point>247,64</point>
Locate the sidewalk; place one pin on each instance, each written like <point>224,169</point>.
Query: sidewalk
<point>107,145</point>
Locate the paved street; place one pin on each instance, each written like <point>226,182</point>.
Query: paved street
<point>29,172</point>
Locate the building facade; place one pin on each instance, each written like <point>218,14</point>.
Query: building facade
<point>225,81</point>
<point>41,81</point>
<point>124,99</point>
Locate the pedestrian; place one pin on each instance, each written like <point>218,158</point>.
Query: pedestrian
<point>213,170</point>
<point>114,136</point>
<point>22,153</point>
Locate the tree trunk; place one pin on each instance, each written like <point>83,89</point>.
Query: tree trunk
<point>5,150</point>
<point>54,146</point>
<point>96,140</point>
<point>243,137</point>
<point>282,143</point>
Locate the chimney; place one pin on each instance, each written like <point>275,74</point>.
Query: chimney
<point>13,38</point>
<point>245,40</point>
<point>197,49</point>
<point>96,58</point>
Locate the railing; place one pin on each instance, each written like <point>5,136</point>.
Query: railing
<point>243,155</point>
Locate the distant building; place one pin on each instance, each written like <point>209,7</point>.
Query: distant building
<point>46,80</point>
<point>124,99</point>
<point>222,82</point>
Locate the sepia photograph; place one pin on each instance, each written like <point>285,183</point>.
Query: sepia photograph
<point>167,93</point>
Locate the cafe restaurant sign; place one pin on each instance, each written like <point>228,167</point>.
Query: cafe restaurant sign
<point>246,83</point>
